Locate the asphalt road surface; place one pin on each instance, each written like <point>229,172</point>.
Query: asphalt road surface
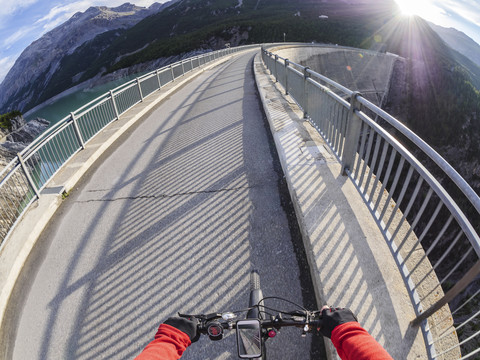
<point>173,220</point>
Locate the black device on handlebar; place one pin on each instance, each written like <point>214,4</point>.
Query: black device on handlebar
<point>260,324</point>
<point>249,339</point>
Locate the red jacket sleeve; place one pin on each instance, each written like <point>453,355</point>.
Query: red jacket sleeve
<point>169,344</point>
<point>354,343</point>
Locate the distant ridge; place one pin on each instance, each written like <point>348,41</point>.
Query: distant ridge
<point>459,41</point>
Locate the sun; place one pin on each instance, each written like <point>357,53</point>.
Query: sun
<point>408,7</point>
<point>426,9</point>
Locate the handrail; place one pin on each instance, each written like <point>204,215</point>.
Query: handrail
<point>432,154</point>
<point>409,204</point>
<point>22,180</point>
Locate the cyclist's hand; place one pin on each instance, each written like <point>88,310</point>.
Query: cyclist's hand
<point>188,326</point>
<point>332,317</point>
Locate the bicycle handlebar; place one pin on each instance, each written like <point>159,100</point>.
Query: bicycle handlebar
<point>308,321</point>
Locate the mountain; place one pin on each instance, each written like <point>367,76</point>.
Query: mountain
<point>191,24</point>
<point>28,81</point>
<point>103,40</point>
<point>434,94</point>
<point>458,41</point>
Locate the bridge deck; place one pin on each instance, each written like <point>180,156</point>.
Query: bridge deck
<point>175,217</point>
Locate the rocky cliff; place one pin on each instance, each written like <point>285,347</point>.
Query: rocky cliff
<point>19,137</point>
<point>38,63</point>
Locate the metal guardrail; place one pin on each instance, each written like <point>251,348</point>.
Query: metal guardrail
<point>409,204</point>
<point>22,180</point>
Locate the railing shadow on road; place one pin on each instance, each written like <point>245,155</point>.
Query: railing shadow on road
<point>28,174</point>
<point>180,238</point>
<point>142,259</point>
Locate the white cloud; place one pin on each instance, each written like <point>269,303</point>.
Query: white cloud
<point>469,10</point>
<point>8,7</point>
<point>5,66</point>
<point>59,14</point>
<point>15,37</point>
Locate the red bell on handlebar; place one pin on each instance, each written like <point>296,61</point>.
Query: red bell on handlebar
<point>271,333</point>
<point>215,330</point>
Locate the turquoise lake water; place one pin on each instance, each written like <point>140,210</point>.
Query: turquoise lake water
<point>59,109</point>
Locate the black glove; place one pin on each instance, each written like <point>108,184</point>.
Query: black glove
<point>332,317</point>
<point>188,326</point>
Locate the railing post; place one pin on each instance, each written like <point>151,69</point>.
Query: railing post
<point>276,71</point>
<point>191,63</point>
<point>173,75</point>
<point>158,79</point>
<point>306,75</point>
<point>27,174</point>
<point>77,131</point>
<point>351,137</point>
<point>140,89</point>
<point>286,76</point>
<point>183,69</point>
<point>270,55</point>
<point>112,96</point>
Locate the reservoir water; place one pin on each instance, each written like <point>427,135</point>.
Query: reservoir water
<point>56,110</point>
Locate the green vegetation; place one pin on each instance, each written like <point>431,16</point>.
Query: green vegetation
<point>181,29</point>
<point>199,25</point>
<point>6,119</point>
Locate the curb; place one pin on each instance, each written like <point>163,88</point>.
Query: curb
<point>287,126</point>
<point>350,263</point>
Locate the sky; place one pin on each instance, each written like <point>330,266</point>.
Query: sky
<point>24,21</point>
<point>463,15</point>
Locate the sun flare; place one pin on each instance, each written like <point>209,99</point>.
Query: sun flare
<point>408,7</point>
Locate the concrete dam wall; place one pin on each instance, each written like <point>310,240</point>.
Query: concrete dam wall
<point>360,70</point>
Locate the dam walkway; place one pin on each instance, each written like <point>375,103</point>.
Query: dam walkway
<point>171,220</point>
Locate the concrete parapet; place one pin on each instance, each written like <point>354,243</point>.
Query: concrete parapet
<point>351,264</point>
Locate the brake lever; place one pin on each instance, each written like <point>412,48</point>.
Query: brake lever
<point>190,317</point>
<point>301,313</point>
<point>202,317</point>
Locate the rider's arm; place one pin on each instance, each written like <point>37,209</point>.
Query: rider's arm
<point>351,340</point>
<point>171,340</point>
<point>354,343</point>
